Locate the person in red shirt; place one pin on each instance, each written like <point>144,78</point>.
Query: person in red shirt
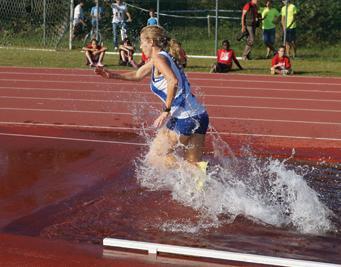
<point>250,21</point>
<point>144,60</point>
<point>94,54</point>
<point>281,63</point>
<point>225,58</point>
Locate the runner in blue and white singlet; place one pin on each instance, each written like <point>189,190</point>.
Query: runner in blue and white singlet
<point>185,119</point>
<point>188,116</point>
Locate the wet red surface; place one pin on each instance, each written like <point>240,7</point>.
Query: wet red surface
<point>64,177</point>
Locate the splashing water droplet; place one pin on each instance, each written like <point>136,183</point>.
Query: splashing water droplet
<point>266,191</point>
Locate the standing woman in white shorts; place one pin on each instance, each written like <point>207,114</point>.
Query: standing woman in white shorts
<point>185,119</point>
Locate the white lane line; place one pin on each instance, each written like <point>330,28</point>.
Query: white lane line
<point>98,83</point>
<point>208,105</point>
<point>273,120</point>
<point>284,136</point>
<point>191,78</point>
<point>73,139</point>
<point>72,126</point>
<point>17,69</point>
<point>194,86</point>
<point>135,130</point>
<point>66,111</point>
<point>220,96</point>
<point>212,117</point>
<point>265,81</point>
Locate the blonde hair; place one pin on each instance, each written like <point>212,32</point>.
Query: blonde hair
<point>157,34</point>
<point>177,51</point>
<point>160,39</point>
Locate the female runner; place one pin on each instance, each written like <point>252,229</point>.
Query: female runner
<point>185,118</point>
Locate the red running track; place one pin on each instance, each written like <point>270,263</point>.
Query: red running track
<point>272,114</point>
<point>87,119</point>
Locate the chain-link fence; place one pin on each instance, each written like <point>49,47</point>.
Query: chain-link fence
<point>45,23</point>
<point>33,23</point>
<point>193,22</point>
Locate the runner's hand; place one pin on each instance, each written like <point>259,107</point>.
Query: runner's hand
<point>161,120</point>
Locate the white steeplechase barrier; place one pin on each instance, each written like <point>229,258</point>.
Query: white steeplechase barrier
<point>154,248</point>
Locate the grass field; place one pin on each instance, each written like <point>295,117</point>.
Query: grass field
<point>315,62</point>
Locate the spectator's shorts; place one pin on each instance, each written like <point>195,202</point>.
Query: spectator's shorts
<point>193,125</point>
<point>94,22</point>
<point>94,59</point>
<point>269,36</point>
<point>222,68</point>
<point>291,35</point>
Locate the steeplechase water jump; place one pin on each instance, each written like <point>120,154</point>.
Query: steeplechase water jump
<point>161,148</point>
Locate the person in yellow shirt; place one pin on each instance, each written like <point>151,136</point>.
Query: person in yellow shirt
<point>289,25</point>
<point>270,17</point>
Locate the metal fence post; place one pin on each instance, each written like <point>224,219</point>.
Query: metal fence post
<point>285,23</point>
<point>208,26</point>
<point>216,26</point>
<point>71,24</point>
<point>44,23</point>
<point>97,18</point>
<point>158,11</point>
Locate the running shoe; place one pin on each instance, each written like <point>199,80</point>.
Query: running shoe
<point>200,181</point>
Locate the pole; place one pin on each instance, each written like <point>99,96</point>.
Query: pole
<point>208,26</point>
<point>44,23</point>
<point>285,23</point>
<point>97,17</point>
<point>216,26</point>
<point>71,24</point>
<point>158,11</point>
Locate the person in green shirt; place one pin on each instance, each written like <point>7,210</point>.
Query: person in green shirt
<point>270,17</point>
<point>289,25</point>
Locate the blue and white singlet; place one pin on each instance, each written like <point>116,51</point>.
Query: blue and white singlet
<point>184,104</point>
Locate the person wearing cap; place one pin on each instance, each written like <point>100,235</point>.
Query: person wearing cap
<point>289,25</point>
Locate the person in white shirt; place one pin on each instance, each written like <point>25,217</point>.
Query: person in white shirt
<point>119,11</point>
<point>78,19</point>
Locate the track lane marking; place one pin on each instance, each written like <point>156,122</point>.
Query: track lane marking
<point>134,129</point>
<point>212,117</point>
<point>191,78</point>
<point>220,96</point>
<point>148,92</point>
<point>190,72</point>
<point>73,139</point>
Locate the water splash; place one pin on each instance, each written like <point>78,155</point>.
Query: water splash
<point>266,191</point>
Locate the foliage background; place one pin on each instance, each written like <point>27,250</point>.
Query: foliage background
<point>319,22</point>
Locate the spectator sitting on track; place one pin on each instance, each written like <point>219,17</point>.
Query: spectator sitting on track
<point>126,51</point>
<point>281,63</point>
<point>94,54</point>
<point>225,58</point>
<point>152,20</point>
<point>178,53</point>
<point>78,20</point>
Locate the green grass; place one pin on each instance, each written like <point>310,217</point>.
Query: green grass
<point>326,63</point>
